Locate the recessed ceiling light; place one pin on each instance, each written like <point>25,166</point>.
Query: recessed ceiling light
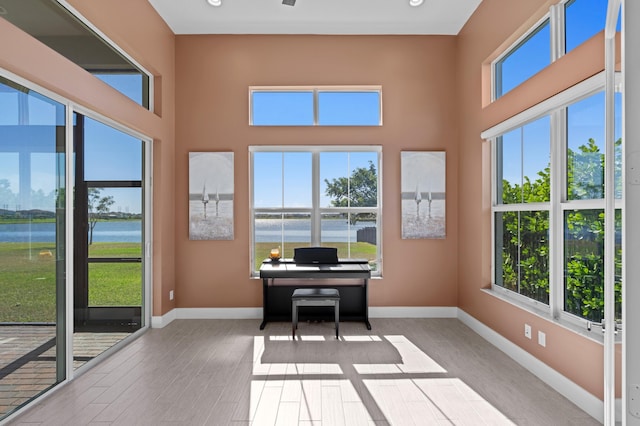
<point>215,2</point>
<point>415,3</point>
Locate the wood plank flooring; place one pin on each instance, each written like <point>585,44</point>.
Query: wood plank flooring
<point>219,372</point>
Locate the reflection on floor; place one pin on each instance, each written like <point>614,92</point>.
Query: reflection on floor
<point>28,360</point>
<point>417,393</point>
<point>221,372</point>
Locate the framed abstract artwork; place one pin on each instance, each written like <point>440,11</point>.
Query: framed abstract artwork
<point>211,195</point>
<point>423,188</point>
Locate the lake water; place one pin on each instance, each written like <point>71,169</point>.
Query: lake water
<point>128,231</point>
<point>267,230</point>
<point>299,230</point>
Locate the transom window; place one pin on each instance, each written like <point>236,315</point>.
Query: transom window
<point>76,39</point>
<point>316,106</point>
<point>567,25</point>
<point>526,58</point>
<point>316,196</point>
<point>582,20</point>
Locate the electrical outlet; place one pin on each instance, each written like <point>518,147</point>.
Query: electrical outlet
<point>170,294</point>
<point>527,331</point>
<point>542,338</point>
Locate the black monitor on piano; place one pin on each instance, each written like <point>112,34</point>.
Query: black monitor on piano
<point>315,255</point>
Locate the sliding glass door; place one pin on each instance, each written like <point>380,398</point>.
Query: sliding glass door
<point>32,245</point>
<point>103,287</point>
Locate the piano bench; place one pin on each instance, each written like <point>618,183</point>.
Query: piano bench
<point>314,297</point>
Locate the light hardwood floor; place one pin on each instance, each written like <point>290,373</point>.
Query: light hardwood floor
<point>218,372</point>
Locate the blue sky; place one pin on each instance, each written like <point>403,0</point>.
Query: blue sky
<point>110,154</point>
<point>585,120</point>
<point>296,108</point>
<point>584,19</point>
<point>270,168</point>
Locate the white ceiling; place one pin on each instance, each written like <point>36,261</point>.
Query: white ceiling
<point>445,17</point>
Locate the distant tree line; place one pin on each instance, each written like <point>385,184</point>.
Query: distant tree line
<point>39,201</point>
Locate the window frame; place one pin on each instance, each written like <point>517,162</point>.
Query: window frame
<point>315,90</point>
<point>558,36</point>
<point>556,107</point>
<point>148,90</point>
<point>68,373</point>
<point>562,7</point>
<point>521,41</point>
<point>315,211</point>
<point>522,207</point>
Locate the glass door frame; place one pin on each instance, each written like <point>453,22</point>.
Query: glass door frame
<point>147,254</point>
<point>64,296</point>
<point>87,317</point>
<point>147,211</point>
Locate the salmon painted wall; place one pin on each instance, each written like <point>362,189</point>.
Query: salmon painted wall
<point>137,29</point>
<point>576,356</point>
<point>417,75</point>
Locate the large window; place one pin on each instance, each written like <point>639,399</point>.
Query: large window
<point>32,245</point>
<point>316,196</point>
<point>549,176</point>
<point>549,203</point>
<point>521,212</point>
<point>109,277</point>
<point>583,207</point>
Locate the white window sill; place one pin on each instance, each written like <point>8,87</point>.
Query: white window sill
<point>578,326</point>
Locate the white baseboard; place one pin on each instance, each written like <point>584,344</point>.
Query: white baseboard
<point>256,313</point>
<point>413,312</point>
<point>574,393</point>
<point>219,313</point>
<point>164,320</point>
<point>206,313</point>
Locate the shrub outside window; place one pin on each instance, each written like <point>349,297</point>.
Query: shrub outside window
<point>521,215</point>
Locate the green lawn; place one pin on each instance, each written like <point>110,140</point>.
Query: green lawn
<point>28,276</point>
<point>27,280</point>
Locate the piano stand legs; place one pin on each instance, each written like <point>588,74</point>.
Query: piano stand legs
<point>314,297</point>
